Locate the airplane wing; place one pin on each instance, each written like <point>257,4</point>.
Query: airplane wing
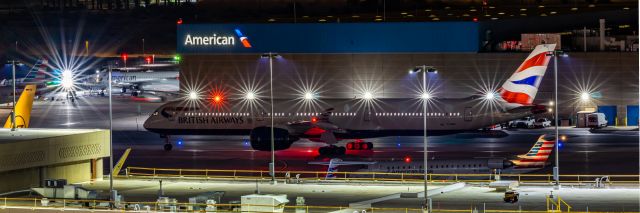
<point>342,163</point>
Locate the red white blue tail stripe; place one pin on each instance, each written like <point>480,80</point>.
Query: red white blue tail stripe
<point>521,88</point>
<point>537,156</point>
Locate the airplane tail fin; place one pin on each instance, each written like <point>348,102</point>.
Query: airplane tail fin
<point>23,108</point>
<point>335,162</point>
<point>38,73</point>
<point>521,88</point>
<point>537,155</point>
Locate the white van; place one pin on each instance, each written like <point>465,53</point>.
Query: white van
<point>596,120</point>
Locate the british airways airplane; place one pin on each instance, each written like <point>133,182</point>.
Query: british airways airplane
<point>347,119</point>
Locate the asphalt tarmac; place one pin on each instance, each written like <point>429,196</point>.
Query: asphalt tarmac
<point>584,152</point>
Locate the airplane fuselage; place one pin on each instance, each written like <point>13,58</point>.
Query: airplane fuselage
<point>359,119</point>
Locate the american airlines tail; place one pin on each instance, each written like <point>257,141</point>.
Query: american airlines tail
<point>23,108</point>
<point>537,156</point>
<point>335,162</point>
<point>521,88</point>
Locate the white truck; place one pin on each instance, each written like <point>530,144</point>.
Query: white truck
<point>596,120</point>
<point>526,122</point>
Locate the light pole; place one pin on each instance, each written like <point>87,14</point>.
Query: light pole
<point>425,97</point>
<point>111,195</point>
<point>13,108</point>
<point>556,168</point>
<point>272,167</point>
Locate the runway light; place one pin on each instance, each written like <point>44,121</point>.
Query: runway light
<point>367,96</point>
<point>585,96</point>
<point>193,95</point>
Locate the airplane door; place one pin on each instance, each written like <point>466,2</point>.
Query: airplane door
<point>468,114</point>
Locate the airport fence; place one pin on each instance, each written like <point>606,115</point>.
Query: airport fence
<point>301,176</point>
<point>46,205</point>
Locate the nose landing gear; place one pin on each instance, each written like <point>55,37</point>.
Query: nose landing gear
<point>167,144</point>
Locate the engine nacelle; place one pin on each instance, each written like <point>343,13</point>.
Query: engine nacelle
<point>498,163</point>
<point>261,138</point>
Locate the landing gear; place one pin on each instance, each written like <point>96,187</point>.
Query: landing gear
<point>167,143</point>
<point>359,146</point>
<point>168,147</point>
<point>332,151</point>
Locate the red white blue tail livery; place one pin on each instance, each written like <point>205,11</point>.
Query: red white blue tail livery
<point>521,88</point>
<point>538,155</point>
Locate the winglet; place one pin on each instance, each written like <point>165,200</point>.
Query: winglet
<point>118,167</point>
<point>23,108</point>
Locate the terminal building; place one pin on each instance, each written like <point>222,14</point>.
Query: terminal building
<point>28,157</point>
<point>346,60</point>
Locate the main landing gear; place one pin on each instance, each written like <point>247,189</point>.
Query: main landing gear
<point>332,151</point>
<point>340,150</point>
<point>359,145</point>
<point>167,143</point>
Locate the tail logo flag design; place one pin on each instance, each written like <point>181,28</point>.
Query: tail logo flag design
<point>521,88</point>
<point>243,39</point>
<point>537,155</point>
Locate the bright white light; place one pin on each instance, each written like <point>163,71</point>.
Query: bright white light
<point>193,95</point>
<point>585,96</point>
<point>550,103</point>
<point>367,96</point>
<point>309,96</point>
<point>425,95</point>
<point>66,79</point>
<point>489,96</point>
<point>250,96</point>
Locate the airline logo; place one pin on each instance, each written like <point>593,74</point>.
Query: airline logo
<point>538,155</point>
<point>522,86</point>
<point>243,39</point>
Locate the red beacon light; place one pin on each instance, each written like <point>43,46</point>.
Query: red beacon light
<point>217,98</point>
<point>407,159</point>
<point>179,21</point>
<point>314,119</point>
<point>475,19</point>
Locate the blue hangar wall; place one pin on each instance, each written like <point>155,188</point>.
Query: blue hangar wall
<point>328,38</point>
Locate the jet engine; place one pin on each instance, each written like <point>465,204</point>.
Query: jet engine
<point>261,138</point>
<point>498,163</point>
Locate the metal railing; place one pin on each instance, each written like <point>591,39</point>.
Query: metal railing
<point>369,176</point>
<point>91,205</point>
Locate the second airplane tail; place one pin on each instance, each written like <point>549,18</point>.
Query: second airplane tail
<point>537,155</point>
<point>23,108</point>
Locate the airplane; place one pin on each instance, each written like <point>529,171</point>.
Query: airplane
<point>144,85</point>
<point>354,119</point>
<point>23,108</point>
<point>534,159</point>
